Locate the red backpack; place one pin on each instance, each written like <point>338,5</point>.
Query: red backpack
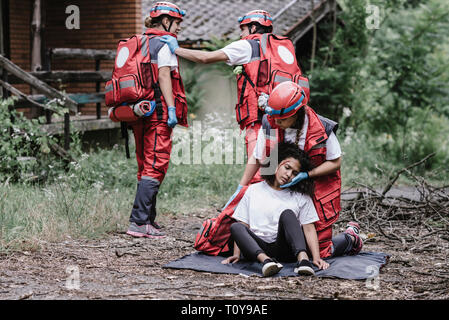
<point>135,76</point>
<point>273,61</point>
<point>214,235</point>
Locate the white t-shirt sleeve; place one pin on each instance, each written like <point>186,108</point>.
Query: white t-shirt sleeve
<point>259,149</point>
<point>241,212</point>
<point>307,211</point>
<point>333,150</point>
<point>238,52</point>
<point>167,59</point>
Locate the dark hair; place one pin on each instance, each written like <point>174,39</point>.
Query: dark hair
<point>157,21</point>
<point>291,150</point>
<point>301,118</point>
<point>260,28</point>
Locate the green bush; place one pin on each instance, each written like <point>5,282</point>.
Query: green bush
<point>25,149</point>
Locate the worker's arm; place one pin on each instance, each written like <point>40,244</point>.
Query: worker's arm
<point>250,170</point>
<point>198,56</point>
<point>164,79</point>
<point>166,85</point>
<point>327,167</point>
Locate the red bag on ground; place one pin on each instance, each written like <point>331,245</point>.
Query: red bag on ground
<point>213,237</point>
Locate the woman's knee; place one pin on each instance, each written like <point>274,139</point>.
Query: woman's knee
<point>237,227</point>
<point>287,214</point>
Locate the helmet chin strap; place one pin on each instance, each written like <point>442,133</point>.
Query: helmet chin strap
<point>169,27</point>
<point>250,29</point>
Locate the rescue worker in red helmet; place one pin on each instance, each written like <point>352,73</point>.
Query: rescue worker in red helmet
<point>289,118</point>
<point>152,134</point>
<point>246,55</point>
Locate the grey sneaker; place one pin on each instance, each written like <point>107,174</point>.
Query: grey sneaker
<point>144,230</point>
<point>271,267</point>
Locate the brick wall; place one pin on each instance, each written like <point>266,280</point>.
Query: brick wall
<point>102,24</point>
<point>20,35</point>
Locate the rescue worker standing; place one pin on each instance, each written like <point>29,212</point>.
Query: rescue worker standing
<point>153,133</point>
<point>252,68</point>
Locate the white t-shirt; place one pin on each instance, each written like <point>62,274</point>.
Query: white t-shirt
<point>238,52</point>
<point>261,208</point>
<point>167,59</point>
<point>333,149</point>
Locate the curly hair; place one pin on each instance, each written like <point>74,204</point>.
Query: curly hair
<point>291,150</point>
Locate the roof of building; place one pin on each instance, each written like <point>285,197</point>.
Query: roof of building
<point>219,18</point>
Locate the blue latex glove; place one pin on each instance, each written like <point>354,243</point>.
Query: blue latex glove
<point>233,196</point>
<point>171,41</point>
<point>172,120</point>
<point>301,176</point>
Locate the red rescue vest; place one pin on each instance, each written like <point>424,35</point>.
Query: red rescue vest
<point>273,61</point>
<point>135,78</point>
<point>327,192</point>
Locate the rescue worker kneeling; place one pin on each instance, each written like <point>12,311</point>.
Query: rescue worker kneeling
<point>289,118</point>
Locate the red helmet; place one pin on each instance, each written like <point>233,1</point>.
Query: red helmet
<point>167,8</point>
<point>260,16</point>
<point>285,100</point>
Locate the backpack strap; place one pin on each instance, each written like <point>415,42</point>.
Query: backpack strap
<point>124,130</point>
<point>329,125</point>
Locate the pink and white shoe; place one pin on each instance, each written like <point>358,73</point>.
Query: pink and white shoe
<point>144,231</point>
<point>353,229</point>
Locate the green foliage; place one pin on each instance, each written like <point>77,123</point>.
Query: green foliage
<point>388,85</point>
<point>217,44</point>
<point>191,77</point>
<point>25,150</point>
<point>339,60</point>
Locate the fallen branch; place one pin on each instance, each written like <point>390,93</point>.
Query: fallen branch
<point>392,181</point>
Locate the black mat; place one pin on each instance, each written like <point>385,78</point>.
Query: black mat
<point>362,266</point>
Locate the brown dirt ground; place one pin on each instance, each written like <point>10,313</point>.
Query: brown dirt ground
<point>121,267</point>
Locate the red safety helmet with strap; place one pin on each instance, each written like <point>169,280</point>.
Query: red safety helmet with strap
<point>262,17</point>
<point>285,100</point>
<point>166,8</point>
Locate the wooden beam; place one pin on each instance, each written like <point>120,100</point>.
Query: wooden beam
<point>36,32</point>
<point>67,76</point>
<point>37,84</point>
<point>298,30</point>
<point>88,54</point>
<point>24,97</point>
<point>81,126</point>
<point>36,48</point>
<point>80,98</point>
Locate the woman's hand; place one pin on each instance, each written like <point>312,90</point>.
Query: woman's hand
<point>320,263</point>
<point>231,259</point>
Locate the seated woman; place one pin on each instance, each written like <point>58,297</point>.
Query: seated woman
<point>278,224</point>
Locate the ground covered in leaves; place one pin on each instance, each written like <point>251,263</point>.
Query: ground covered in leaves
<point>121,267</point>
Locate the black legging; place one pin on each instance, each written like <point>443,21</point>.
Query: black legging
<point>290,241</point>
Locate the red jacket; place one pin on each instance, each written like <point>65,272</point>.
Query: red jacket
<point>327,192</point>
